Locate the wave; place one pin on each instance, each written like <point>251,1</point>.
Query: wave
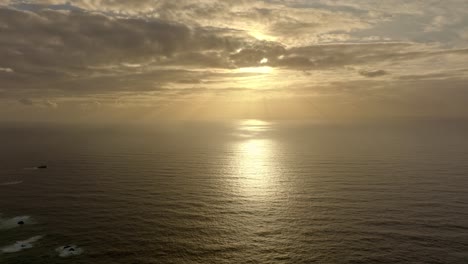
<point>68,251</point>
<point>21,245</point>
<point>16,221</point>
<point>31,168</point>
<point>10,183</point>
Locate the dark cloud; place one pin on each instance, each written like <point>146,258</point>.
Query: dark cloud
<point>372,74</point>
<point>431,76</point>
<point>50,48</point>
<point>26,101</point>
<point>41,103</point>
<point>339,55</point>
<point>75,38</point>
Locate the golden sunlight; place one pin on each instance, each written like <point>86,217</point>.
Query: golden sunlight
<point>254,156</point>
<point>261,70</point>
<point>255,166</point>
<point>253,128</point>
<point>261,36</point>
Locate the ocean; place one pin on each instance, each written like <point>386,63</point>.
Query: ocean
<point>246,191</point>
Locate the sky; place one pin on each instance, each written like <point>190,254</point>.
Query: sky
<point>319,60</point>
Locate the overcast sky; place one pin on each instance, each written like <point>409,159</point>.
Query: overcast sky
<point>207,59</point>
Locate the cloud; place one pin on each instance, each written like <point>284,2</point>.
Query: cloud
<point>26,101</point>
<point>159,52</point>
<point>50,104</point>
<point>6,70</point>
<point>41,103</point>
<point>372,74</point>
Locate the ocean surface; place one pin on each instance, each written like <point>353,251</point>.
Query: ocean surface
<point>248,191</point>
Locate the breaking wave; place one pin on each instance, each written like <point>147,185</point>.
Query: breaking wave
<point>68,251</point>
<point>9,223</point>
<point>21,245</point>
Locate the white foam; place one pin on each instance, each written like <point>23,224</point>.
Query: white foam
<point>8,223</point>
<point>68,251</point>
<point>10,183</point>
<point>20,245</point>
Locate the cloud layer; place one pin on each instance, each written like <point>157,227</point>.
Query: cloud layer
<point>99,55</point>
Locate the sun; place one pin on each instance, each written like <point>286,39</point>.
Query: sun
<point>261,36</point>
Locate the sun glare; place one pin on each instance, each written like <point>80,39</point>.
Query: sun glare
<point>255,159</point>
<point>261,70</point>
<point>260,36</point>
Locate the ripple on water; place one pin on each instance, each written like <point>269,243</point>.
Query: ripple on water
<point>11,183</point>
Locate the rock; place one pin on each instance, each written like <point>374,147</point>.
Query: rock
<point>69,251</point>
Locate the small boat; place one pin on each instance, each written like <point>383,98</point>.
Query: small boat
<point>42,167</point>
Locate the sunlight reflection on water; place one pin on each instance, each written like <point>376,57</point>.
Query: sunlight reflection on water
<point>254,163</point>
<point>252,128</point>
